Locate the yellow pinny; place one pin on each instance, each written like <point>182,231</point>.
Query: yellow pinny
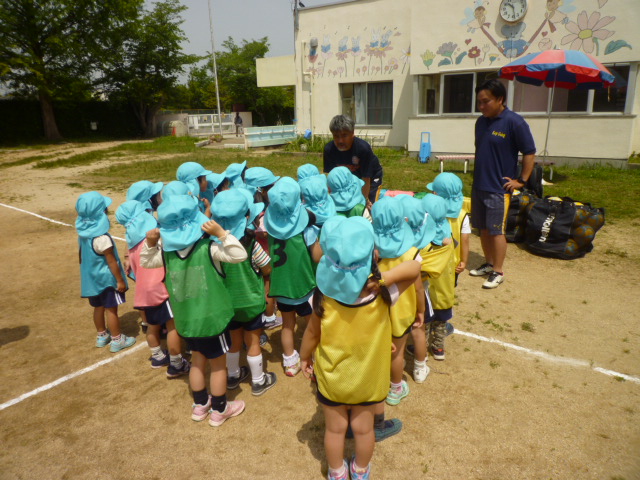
<point>403,312</point>
<point>353,358</point>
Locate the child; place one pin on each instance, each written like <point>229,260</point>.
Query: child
<point>394,242</point>
<point>449,186</point>
<point>423,233</point>
<point>293,246</point>
<point>198,297</point>
<point>195,175</point>
<point>102,277</point>
<point>351,329</point>
<point>235,173</point>
<point>346,192</point>
<point>146,192</point>
<point>307,170</point>
<point>441,289</point>
<point>151,295</point>
<point>315,195</point>
<point>231,209</point>
<point>258,181</point>
<point>216,182</point>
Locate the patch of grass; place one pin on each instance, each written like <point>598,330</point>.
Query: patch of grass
<point>496,326</point>
<point>616,252</point>
<point>604,435</point>
<point>626,350</point>
<point>75,185</point>
<point>555,385</point>
<point>425,468</point>
<point>629,410</point>
<point>619,379</point>
<point>625,340</point>
<point>467,349</point>
<point>493,364</point>
<point>25,161</point>
<point>527,327</point>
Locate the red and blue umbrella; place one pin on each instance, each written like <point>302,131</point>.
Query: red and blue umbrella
<point>559,68</point>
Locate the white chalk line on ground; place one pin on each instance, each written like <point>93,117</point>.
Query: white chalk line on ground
<point>552,358</point>
<point>57,382</point>
<point>546,356</point>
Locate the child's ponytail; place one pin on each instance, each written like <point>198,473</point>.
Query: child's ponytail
<point>377,276</point>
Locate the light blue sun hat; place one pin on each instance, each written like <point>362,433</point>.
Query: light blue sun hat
<point>230,209</point>
<point>175,187</point>
<point>255,208</point>
<point>92,221</point>
<point>307,170</point>
<point>213,181</point>
<point>418,219</point>
<point>346,189</point>
<point>343,270</point>
<point>189,172</point>
<point>234,173</point>
<point>137,221</point>
<point>436,207</point>
<point>285,216</point>
<point>143,190</point>
<point>317,198</point>
<point>180,222</point>
<point>449,186</point>
<point>393,235</point>
<point>258,177</point>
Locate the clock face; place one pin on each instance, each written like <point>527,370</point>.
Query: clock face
<point>513,10</point>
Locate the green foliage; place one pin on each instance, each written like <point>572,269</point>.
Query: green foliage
<point>146,59</point>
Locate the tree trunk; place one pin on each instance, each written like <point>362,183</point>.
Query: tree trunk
<point>48,118</point>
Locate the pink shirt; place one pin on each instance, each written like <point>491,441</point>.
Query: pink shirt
<point>150,289</point>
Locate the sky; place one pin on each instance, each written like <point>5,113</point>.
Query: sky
<point>241,20</point>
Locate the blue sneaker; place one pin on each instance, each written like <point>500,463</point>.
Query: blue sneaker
<point>358,475</point>
<point>103,340</point>
<point>393,398</point>
<point>122,343</point>
<point>175,372</point>
<point>163,362</point>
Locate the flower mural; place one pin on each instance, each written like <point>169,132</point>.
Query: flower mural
<point>342,54</point>
<point>427,58</point>
<point>378,46</point>
<point>446,50</point>
<point>405,57</point>
<point>326,49</point>
<point>586,32</point>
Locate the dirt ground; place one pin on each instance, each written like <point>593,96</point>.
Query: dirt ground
<point>488,412</point>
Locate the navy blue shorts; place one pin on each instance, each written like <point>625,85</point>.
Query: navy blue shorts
<point>330,403</point>
<point>302,309</point>
<point>210,347</point>
<point>109,298</point>
<point>251,325</point>
<point>443,315</point>
<point>489,211</point>
<point>158,315</point>
<point>407,331</point>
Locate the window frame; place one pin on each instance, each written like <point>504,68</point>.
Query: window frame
<point>367,107</point>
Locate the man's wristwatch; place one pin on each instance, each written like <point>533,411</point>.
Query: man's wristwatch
<point>521,180</point>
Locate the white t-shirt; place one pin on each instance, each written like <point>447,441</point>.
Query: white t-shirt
<point>102,243</point>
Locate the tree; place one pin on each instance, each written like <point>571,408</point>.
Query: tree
<point>49,48</point>
<point>144,66</point>
<point>237,79</point>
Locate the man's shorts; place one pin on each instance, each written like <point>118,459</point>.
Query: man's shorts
<point>210,347</point>
<point>158,315</point>
<point>109,298</point>
<point>489,211</point>
<point>302,309</point>
<point>251,325</point>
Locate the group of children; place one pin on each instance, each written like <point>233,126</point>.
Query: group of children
<point>214,255</point>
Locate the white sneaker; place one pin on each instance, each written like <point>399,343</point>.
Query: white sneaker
<point>494,280</point>
<point>420,373</point>
<point>482,270</point>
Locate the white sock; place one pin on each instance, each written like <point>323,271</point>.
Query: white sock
<point>176,360</point>
<point>157,353</point>
<point>233,364</point>
<point>255,365</point>
<point>291,360</point>
<point>266,318</point>
<point>396,386</point>
<point>338,472</point>
<point>417,364</point>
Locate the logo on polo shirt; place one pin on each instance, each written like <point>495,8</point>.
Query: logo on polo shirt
<point>499,134</point>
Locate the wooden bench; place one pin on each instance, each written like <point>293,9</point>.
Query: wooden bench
<point>468,158</point>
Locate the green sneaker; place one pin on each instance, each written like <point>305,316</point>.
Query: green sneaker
<point>122,343</point>
<point>393,398</point>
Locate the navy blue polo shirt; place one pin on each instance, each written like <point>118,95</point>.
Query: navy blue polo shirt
<point>498,142</point>
<point>360,159</point>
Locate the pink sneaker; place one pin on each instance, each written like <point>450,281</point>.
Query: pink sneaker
<point>235,407</point>
<point>200,412</point>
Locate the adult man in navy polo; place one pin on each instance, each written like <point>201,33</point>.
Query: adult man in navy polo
<point>500,134</point>
<point>347,150</point>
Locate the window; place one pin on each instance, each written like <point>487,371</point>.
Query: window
<point>613,99</point>
<point>458,92</point>
<point>368,103</point>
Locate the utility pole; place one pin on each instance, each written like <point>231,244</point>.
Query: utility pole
<point>215,67</point>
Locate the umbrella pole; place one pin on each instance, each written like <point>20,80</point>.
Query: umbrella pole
<point>546,138</point>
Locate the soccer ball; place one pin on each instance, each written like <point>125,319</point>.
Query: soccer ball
<point>571,248</point>
<point>580,217</point>
<point>583,234</point>
<point>595,220</point>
